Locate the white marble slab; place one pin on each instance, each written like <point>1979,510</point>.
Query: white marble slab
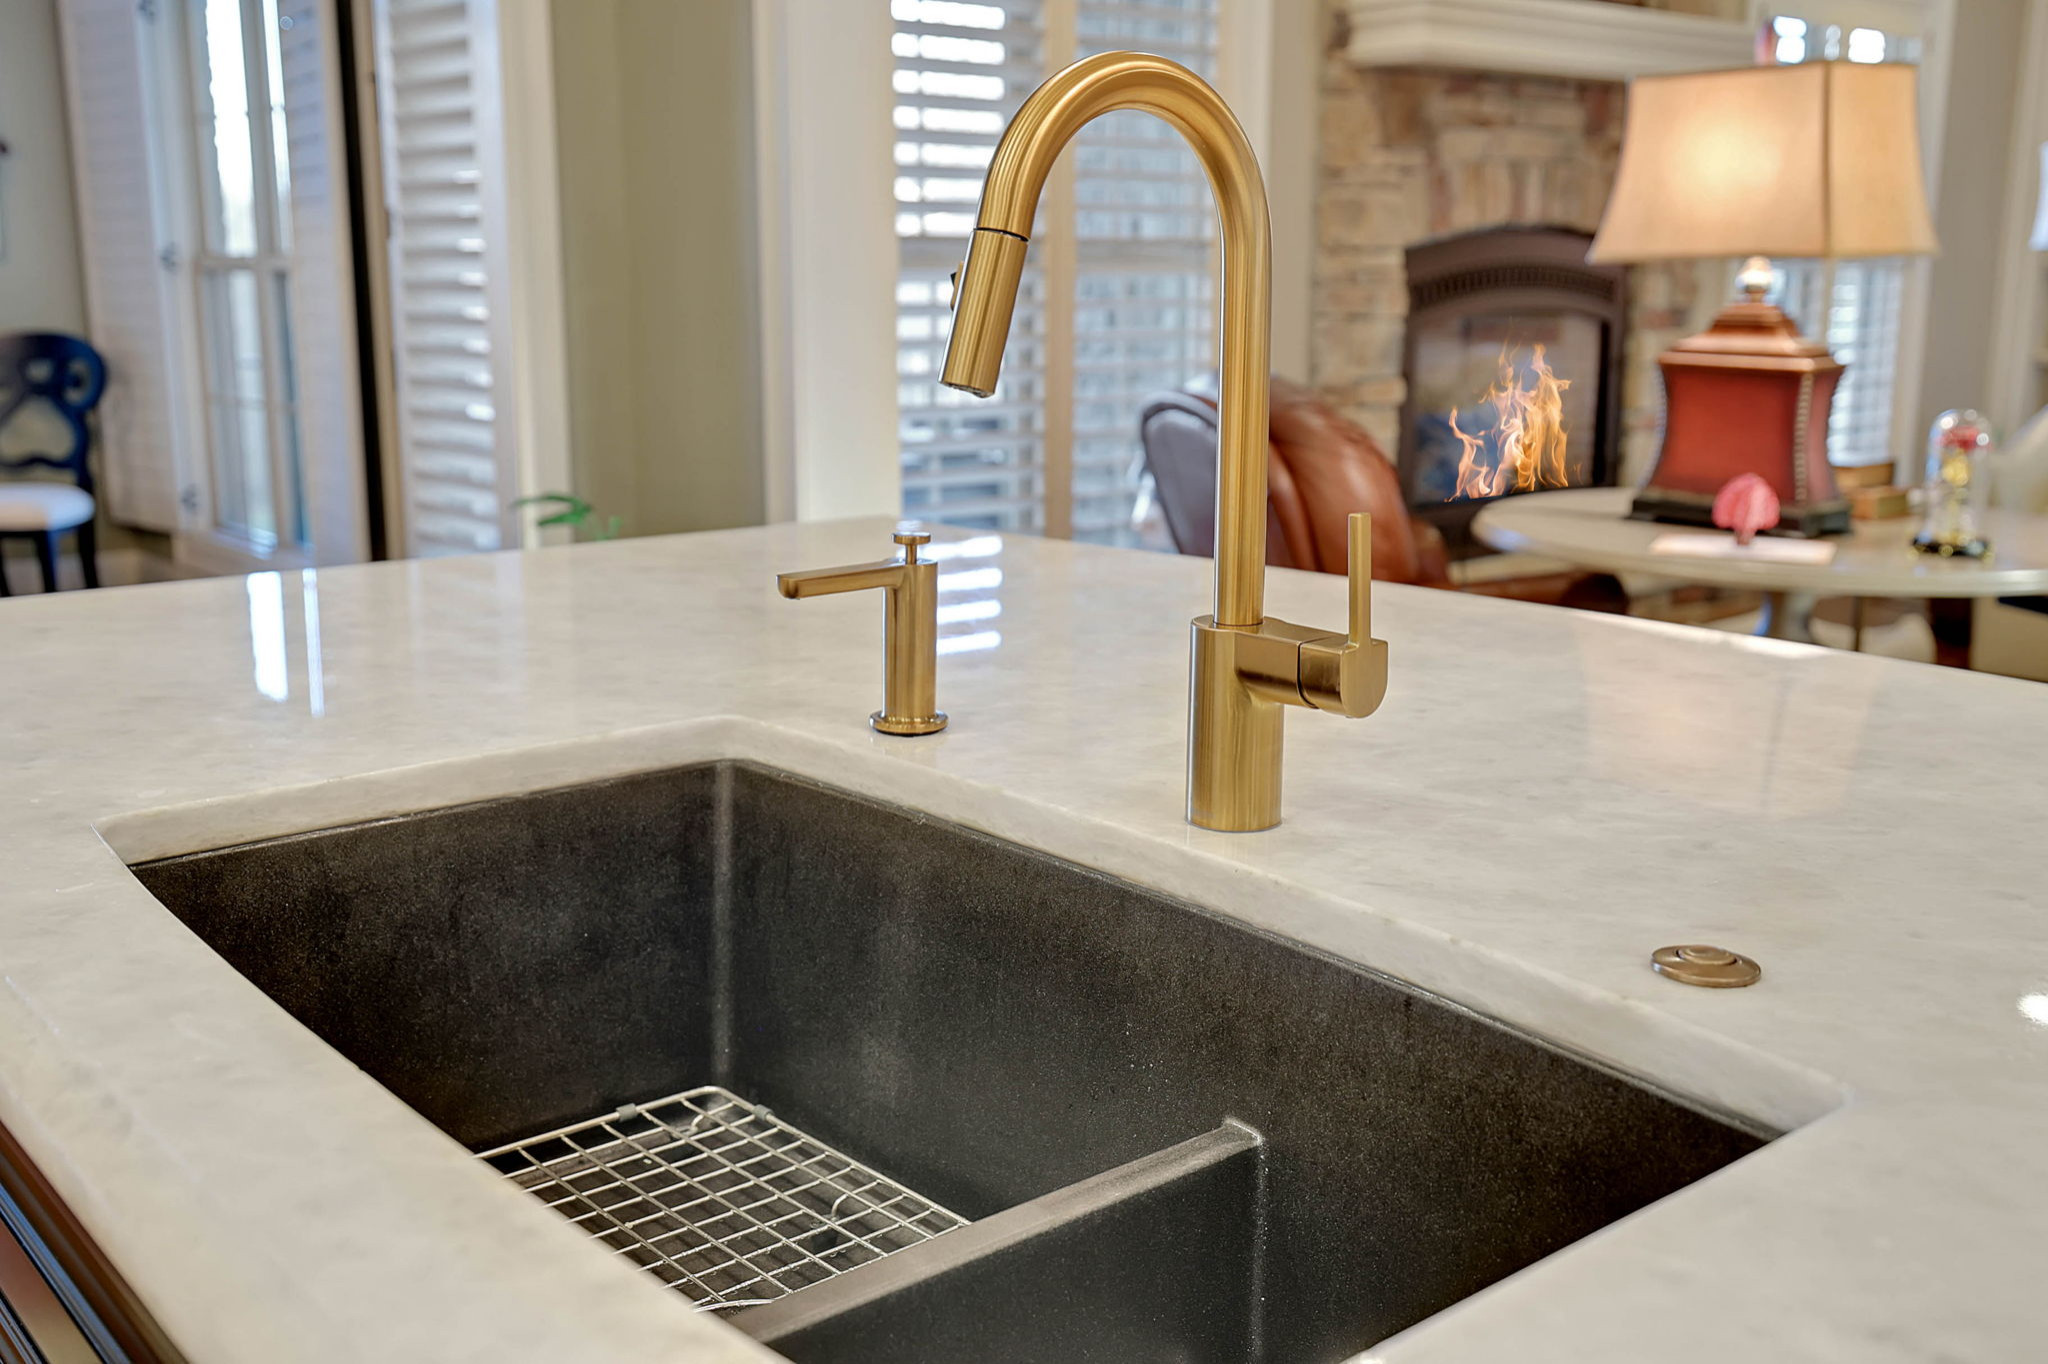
<point>1545,797</point>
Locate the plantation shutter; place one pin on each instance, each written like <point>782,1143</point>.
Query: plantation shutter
<point>961,70</point>
<point>438,115</point>
<point>129,255</point>
<point>1863,331</point>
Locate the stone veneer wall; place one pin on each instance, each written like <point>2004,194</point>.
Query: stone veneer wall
<point>1407,155</point>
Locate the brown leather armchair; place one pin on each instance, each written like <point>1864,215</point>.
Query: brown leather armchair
<point>1322,469</point>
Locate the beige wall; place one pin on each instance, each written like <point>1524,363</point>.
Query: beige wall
<point>655,132</point>
<point>1969,215</point>
<point>1299,29</point>
<point>39,278</point>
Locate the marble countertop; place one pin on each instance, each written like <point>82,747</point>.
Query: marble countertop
<point>1545,797</point>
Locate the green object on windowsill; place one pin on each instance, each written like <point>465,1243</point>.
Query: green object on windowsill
<point>573,512</point>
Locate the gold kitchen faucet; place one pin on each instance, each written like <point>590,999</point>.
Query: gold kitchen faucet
<point>1246,666</point>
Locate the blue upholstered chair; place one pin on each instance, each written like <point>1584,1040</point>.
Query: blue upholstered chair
<point>67,376</point>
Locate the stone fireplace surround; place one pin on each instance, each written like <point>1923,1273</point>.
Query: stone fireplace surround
<point>1410,154</point>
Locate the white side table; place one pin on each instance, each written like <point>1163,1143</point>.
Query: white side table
<point>1590,527</point>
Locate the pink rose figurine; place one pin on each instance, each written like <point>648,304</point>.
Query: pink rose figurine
<point>1746,504</point>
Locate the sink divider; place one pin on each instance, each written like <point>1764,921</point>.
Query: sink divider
<point>1179,1230</point>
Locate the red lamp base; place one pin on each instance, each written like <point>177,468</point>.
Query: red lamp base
<point>1748,395</point>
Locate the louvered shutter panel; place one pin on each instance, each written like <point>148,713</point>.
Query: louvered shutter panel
<point>325,381</point>
<point>128,257</point>
<point>961,70</point>
<point>456,461</point>
<point>1864,334</point>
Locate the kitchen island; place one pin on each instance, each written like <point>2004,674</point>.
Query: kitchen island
<point>1544,799</point>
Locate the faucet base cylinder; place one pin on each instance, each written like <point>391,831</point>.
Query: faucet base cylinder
<point>908,724</point>
<point>1234,737</point>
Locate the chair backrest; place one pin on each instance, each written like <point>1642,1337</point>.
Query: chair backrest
<point>1321,469</point>
<point>1338,469</point>
<point>1178,433</point>
<point>66,374</point>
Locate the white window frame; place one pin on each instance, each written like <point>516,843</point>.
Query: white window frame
<point>827,249</point>
<point>272,268</point>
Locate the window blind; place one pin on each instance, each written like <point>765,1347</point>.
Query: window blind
<point>434,99</point>
<point>961,70</point>
<point>1860,321</point>
<point>1144,306</point>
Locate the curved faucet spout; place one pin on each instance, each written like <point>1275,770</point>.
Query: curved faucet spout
<point>986,292</point>
<point>1246,667</point>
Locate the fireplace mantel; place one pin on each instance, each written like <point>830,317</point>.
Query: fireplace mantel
<point>1589,39</point>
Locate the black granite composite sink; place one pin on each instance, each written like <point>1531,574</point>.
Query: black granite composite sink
<point>1178,1138</point>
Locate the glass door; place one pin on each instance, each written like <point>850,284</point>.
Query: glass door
<point>243,274</point>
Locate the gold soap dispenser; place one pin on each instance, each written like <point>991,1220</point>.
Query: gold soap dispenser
<point>910,629</point>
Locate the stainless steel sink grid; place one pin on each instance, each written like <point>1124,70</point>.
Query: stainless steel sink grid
<point>719,1199</point>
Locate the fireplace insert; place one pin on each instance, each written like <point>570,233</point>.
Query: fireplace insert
<point>1513,362</point>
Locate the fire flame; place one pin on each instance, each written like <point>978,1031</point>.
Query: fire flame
<point>1525,449</point>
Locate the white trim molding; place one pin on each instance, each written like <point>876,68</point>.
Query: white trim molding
<point>538,365</point>
<point>1268,69</point>
<point>1579,38</point>
<point>823,131</point>
<point>2019,362</point>
<point>1936,31</point>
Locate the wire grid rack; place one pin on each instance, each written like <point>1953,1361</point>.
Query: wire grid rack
<point>719,1199</point>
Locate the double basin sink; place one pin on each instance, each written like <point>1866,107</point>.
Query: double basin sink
<point>1084,1119</point>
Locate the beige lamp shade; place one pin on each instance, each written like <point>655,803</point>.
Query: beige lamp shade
<point>1820,159</point>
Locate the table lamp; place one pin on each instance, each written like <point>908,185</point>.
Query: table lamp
<point>1815,160</point>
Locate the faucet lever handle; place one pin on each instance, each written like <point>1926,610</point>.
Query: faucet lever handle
<point>1347,673</point>
<point>1359,530</point>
